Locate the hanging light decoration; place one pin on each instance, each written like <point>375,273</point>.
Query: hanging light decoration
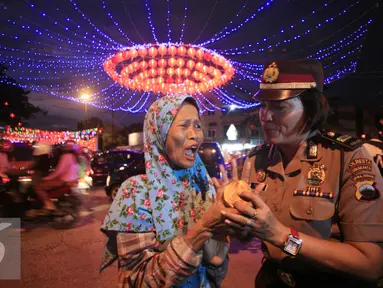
<point>68,44</point>
<point>159,68</point>
<point>85,138</point>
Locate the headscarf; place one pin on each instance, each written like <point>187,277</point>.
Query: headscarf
<point>164,200</point>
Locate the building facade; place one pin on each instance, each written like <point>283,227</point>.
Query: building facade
<point>246,125</point>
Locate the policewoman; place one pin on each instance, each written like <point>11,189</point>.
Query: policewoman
<point>317,199</point>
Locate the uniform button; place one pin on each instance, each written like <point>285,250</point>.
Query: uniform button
<point>310,210</point>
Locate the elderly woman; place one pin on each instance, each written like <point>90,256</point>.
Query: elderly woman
<point>305,182</point>
<point>165,227</point>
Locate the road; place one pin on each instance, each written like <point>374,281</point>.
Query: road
<point>71,258</point>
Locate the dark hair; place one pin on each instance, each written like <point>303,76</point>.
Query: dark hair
<point>192,101</point>
<point>316,109</point>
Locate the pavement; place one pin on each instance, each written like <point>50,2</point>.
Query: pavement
<point>71,258</point>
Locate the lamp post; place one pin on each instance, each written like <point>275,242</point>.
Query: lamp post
<point>85,97</point>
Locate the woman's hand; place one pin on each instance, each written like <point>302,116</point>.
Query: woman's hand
<point>379,161</point>
<point>212,222</point>
<point>259,221</point>
<point>213,219</point>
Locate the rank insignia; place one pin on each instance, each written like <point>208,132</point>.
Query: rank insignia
<point>316,175</point>
<point>312,150</point>
<point>343,138</point>
<point>271,73</point>
<point>261,176</point>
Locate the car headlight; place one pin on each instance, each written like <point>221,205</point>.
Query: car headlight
<point>121,168</point>
<point>25,179</point>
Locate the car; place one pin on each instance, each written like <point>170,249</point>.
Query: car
<point>211,155</point>
<point>100,165</point>
<point>105,162</point>
<point>127,163</point>
<point>209,151</point>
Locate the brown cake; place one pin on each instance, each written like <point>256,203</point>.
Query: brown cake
<point>233,190</point>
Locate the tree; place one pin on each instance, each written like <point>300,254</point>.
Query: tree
<point>14,106</point>
<point>132,128</point>
<point>92,122</point>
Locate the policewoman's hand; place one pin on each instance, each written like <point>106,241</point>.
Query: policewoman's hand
<point>259,221</point>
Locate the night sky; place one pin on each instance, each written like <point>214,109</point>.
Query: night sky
<point>204,19</point>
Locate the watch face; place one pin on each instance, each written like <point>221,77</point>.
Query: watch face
<point>292,246</point>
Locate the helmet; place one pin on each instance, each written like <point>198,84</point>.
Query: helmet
<point>42,148</point>
<point>6,146</point>
<point>70,146</point>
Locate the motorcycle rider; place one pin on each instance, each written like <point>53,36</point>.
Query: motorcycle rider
<point>66,172</point>
<point>84,162</point>
<point>6,147</point>
<point>41,162</point>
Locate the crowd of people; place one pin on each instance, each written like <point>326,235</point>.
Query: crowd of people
<point>315,199</point>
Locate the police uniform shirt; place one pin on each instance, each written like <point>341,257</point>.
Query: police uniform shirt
<point>304,195</point>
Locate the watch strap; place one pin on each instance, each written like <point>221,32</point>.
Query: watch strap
<point>294,233</point>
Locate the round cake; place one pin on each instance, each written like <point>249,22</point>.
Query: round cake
<point>233,190</point>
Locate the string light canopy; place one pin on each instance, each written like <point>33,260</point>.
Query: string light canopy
<point>169,69</point>
<point>85,138</point>
<point>79,46</point>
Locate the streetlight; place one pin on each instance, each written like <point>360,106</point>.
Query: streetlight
<point>85,98</point>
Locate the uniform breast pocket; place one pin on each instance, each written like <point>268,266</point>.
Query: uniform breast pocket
<point>312,208</point>
<point>261,189</point>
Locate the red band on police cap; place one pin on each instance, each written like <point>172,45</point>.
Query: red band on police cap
<point>288,78</point>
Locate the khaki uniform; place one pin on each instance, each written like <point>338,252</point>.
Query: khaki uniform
<point>307,194</point>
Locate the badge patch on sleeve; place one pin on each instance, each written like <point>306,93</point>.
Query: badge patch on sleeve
<point>365,187</point>
<point>359,165</point>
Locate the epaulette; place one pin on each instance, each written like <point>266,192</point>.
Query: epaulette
<point>257,149</point>
<point>347,142</point>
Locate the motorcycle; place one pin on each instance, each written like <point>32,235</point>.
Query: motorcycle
<point>85,183</point>
<point>17,197</point>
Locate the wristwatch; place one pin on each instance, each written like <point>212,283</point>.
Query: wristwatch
<point>293,244</point>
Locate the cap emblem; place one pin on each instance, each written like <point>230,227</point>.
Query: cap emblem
<point>271,73</point>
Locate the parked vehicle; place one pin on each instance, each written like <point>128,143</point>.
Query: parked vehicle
<point>211,155</point>
<point>100,167</point>
<point>130,163</point>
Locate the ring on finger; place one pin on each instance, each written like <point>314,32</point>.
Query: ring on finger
<point>249,223</point>
<point>253,213</point>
